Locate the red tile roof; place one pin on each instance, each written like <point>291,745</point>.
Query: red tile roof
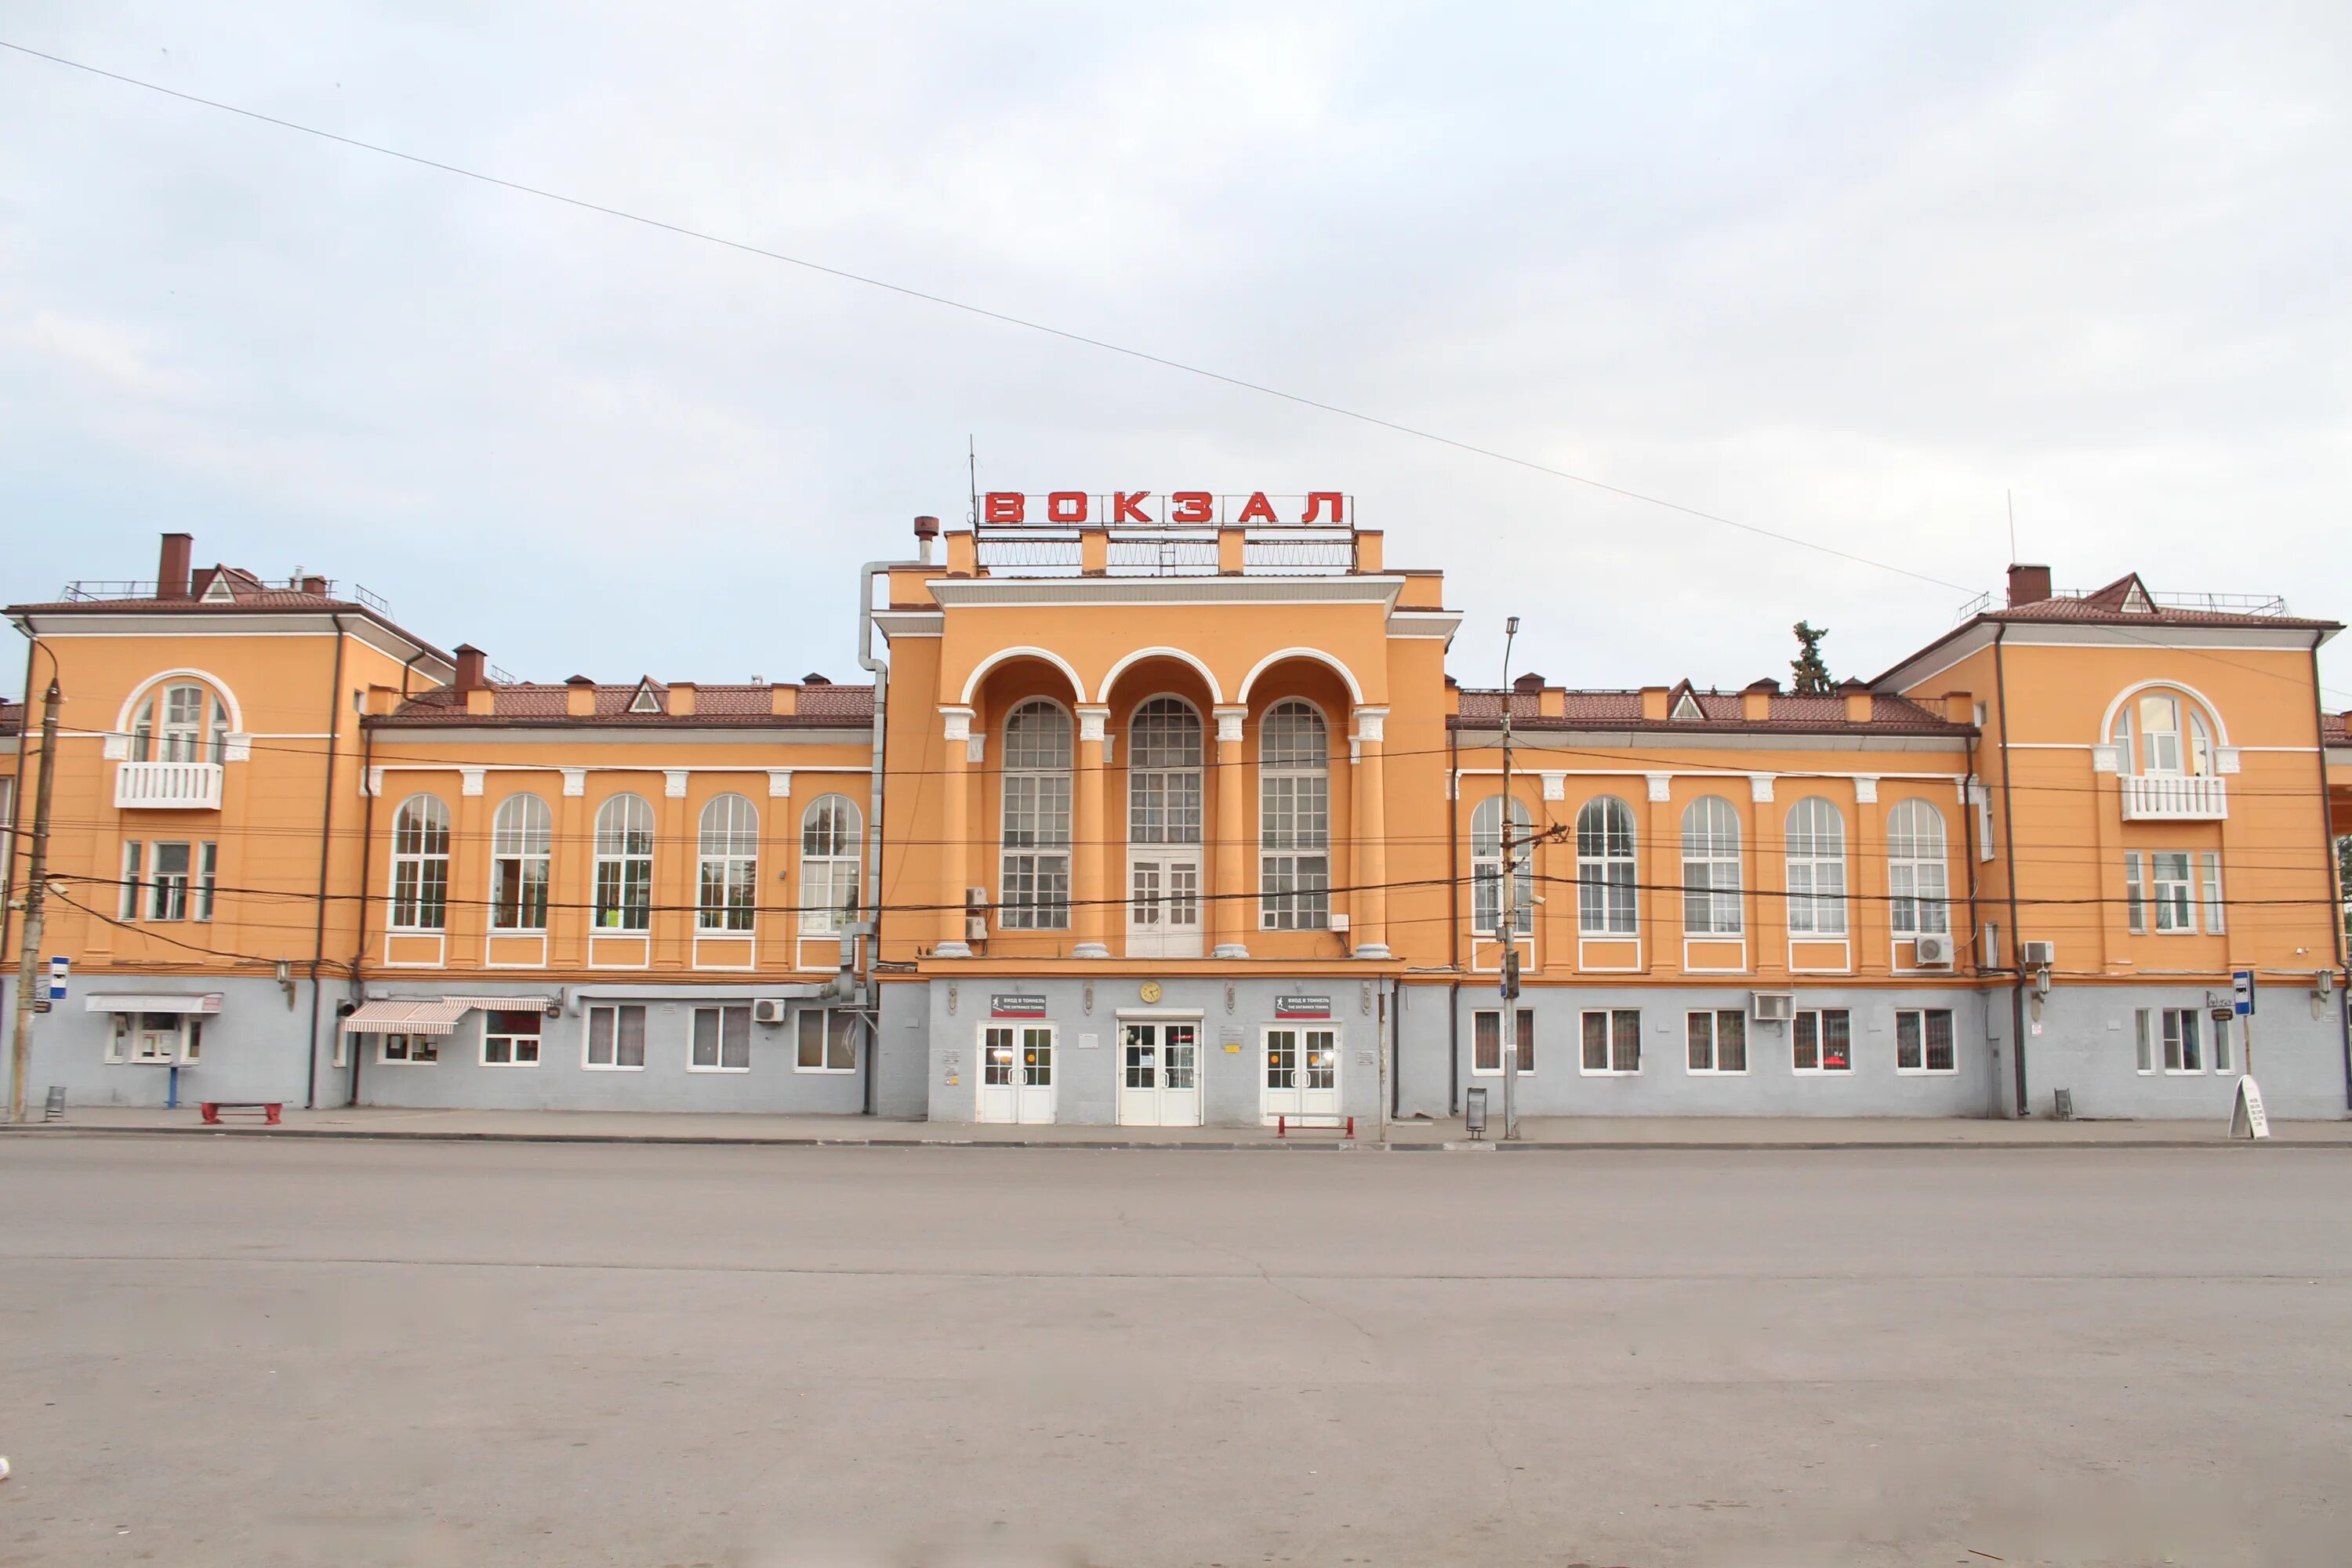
<point>248,595</point>
<point>1623,710</point>
<point>545,702</point>
<point>2335,729</point>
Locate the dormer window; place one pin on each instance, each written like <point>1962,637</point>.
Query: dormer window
<point>1687,710</point>
<point>647,699</point>
<point>2137,603</point>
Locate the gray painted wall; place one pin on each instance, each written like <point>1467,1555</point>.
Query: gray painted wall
<point>1232,1012</point>
<point>2088,1044</point>
<point>252,1049</point>
<point>902,1060</point>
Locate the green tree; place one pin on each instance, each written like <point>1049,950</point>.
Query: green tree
<point>1812,675</point>
<point>2344,877</point>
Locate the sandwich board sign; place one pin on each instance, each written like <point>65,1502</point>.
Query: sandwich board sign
<point>2247,1118</point>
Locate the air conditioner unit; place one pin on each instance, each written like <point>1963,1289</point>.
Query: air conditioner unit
<point>975,914</point>
<point>1932,952</point>
<point>769,1010</point>
<point>2037,955</point>
<point>1340,922</point>
<point>1774,1006</point>
<point>975,928</point>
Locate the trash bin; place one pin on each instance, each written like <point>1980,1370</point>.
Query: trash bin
<point>1474,1113</point>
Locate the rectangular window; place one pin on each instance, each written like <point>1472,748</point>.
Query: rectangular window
<point>1821,1041</point>
<point>133,857</point>
<point>416,1050</point>
<point>616,1035</point>
<point>1487,1041</point>
<point>1036,864</point>
<point>1716,1041</point>
<point>2144,1031</point>
<point>828,1041</point>
<point>1613,1041</point>
<point>2175,907</point>
<point>2135,893</point>
<point>1294,851</point>
<point>510,1039</point>
<point>2209,868</point>
<point>2183,1048</point>
<point>723,1041</point>
<point>1923,1040</point>
<point>155,1038</point>
<point>167,882</point>
<point>207,873</point>
<point>2223,1029</point>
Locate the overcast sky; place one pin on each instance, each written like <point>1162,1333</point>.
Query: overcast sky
<point>1844,272</point>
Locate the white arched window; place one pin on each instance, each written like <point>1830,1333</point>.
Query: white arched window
<point>1917,881</point>
<point>828,866</point>
<point>2162,732</point>
<point>727,883</point>
<point>625,863</point>
<point>1711,882</point>
<point>1294,818</point>
<point>522,836</point>
<point>1816,868</point>
<point>182,722</point>
<point>420,864</point>
<point>1486,867</point>
<point>1163,774</point>
<point>1604,867</point>
<point>1036,818</point>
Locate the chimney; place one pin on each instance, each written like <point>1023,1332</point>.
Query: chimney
<point>1529,682</point>
<point>471,663</point>
<point>784,701</point>
<point>172,570</point>
<point>1653,703</point>
<point>1552,703</point>
<point>1960,707</point>
<point>1858,704</point>
<point>926,534</point>
<point>681,698</point>
<point>813,679</point>
<point>1756,699</point>
<point>580,697</point>
<point>2028,585</point>
<point>315,585</point>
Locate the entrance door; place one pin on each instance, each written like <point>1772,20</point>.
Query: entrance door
<point>1163,830</point>
<point>1160,1076</point>
<point>1016,1073</point>
<point>1302,1072</point>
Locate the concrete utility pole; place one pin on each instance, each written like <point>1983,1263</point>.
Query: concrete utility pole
<point>1508,1026</point>
<point>20,1049</point>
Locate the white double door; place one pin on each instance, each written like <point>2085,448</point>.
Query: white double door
<point>1301,1075</point>
<point>1163,906</point>
<point>1160,1075</point>
<point>1016,1073</point>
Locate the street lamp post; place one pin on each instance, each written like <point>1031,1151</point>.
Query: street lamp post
<point>1509,922</point>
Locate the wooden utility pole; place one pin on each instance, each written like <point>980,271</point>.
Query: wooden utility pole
<point>1509,1024</point>
<point>29,961</point>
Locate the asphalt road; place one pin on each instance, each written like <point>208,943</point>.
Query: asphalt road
<point>241,1352</point>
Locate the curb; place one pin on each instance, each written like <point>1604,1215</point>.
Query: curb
<point>1097,1145</point>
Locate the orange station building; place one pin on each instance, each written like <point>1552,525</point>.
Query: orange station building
<point>1166,811</point>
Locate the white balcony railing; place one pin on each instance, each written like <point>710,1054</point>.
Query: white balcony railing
<point>167,786</point>
<point>2174,797</point>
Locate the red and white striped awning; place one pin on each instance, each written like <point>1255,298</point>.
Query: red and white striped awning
<point>421,1017</point>
<point>503,1003</point>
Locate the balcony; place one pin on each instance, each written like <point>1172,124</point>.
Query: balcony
<point>2174,797</point>
<point>167,786</point>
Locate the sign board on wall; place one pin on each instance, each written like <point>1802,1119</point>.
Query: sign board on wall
<point>1302,1007</point>
<point>1020,1005</point>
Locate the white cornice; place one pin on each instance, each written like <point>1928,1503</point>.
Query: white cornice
<point>911,623</point>
<point>359,625</point>
<point>1437,623</point>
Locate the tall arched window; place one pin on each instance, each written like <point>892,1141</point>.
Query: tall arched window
<point>1163,774</point>
<point>625,863</point>
<point>1711,901</point>
<point>829,852</point>
<point>182,722</point>
<point>1294,818</point>
<point>1917,881</point>
<point>522,836</point>
<point>1036,818</point>
<point>728,884</point>
<point>1486,867</point>
<point>1816,868</point>
<point>1604,867</point>
<point>420,864</point>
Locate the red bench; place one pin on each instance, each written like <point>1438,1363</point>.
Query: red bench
<point>268,1110</point>
<point>1315,1121</point>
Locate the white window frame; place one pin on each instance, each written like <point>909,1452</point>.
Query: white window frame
<point>1820,1015</point>
<point>1034,820</point>
<point>729,866</point>
<point>1486,867</point>
<point>831,844</point>
<point>624,867</point>
<point>1608,869</point>
<point>538,1038</point>
<point>618,1010</point>
<point>1715,1018</point>
<point>828,1039</point>
<point>2175,897</point>
<point>159,735</point>
<point>717,1011</point>
<point>1925,1068</point>
<point>1816,864</point>
<point>2170,1034</point>
<point>1618,1036</point>
<point>2136,892</point>
<point>2209,878</point>
<point>1526,1031</point>
<point>187,1048</point>
<point>410,1044</point>
<point>1918,870</point>
<point>1294,809</point>
<point>1708,852</point>
<point>1166,743</point>
<point>523,843</point>
<point>420,865</point>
